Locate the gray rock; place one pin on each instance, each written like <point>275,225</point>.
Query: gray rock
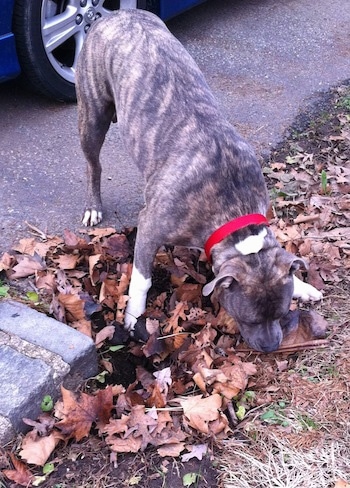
<point>37,353</point>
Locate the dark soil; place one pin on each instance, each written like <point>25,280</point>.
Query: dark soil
<point>89,465</point>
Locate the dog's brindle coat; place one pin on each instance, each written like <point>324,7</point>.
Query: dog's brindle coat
<point>199,172</point>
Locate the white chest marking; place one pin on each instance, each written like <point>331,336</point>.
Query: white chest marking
<point>252,244</point>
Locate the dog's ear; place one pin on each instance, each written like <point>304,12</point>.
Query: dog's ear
<point>227,274</point>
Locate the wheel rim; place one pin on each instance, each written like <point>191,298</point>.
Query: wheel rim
<point>64,24</point>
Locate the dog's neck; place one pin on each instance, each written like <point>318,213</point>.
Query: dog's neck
<point>250,240</point>
<point>252,244</point>
<point>233,226</point>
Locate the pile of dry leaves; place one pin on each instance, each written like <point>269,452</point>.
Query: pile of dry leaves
<point>192,365</point>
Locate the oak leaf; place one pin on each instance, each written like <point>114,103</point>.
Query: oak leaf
<point>37,449</point>
<point>196,451</point>
<point>27,266</point>
<point>200,411</point>
<point>20,474</point>
<point>177,314</point>
<point>173,450</point>
<point>130,444</point>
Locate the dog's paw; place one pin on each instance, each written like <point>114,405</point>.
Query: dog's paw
<point>92,217</point>
<point>129,323</point>
<point>305,292</point>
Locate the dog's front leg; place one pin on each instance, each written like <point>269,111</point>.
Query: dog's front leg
<point>139,286</point>
<point>305,292</point>
<point>146,246</point>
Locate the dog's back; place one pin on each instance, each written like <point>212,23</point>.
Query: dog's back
<point>169,121</point>
<point>130,59</point>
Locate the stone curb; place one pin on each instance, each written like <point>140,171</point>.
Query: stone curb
<point>36,354</point>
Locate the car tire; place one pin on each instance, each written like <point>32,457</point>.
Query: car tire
<point>49,35</point>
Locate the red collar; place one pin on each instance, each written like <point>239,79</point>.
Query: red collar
<point>230,227</point>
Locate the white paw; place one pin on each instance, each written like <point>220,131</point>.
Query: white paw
<point>129,323</point>
<point>91,217</point>
<point>305,292</point>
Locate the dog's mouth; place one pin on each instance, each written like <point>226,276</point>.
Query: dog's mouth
<point>262,338</point>
<point>269,338</point>
<point>289,322</point>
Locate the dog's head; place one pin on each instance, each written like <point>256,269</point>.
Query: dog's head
<point>256,290</point>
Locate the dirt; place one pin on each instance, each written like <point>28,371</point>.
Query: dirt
<point>89,465</point>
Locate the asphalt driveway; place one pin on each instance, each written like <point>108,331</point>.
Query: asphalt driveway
<point>264,59</point>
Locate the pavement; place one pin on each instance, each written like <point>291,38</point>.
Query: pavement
<point>265,61</point>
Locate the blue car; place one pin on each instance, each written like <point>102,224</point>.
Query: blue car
<point>42,38</point>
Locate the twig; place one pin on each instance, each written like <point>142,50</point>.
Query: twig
<point>314,344</point>
<point>301,219</point>
<point>173,335</point>
<point>37,231</point>
<point>232,414</point>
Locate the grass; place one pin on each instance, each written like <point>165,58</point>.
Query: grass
<point>274,463</point>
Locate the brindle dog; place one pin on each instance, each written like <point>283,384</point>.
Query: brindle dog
<point>198,170</point>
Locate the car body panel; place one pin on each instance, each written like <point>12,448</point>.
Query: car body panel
<point>170,8</point>
<point>9,65</point>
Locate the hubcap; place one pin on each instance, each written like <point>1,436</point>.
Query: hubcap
<point>64,27</point>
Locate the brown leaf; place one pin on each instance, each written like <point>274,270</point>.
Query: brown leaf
<point>37,449</point>
<point>20,474</point>
<point>31,246</point>
<point>130,444</point>
<point>173,450</point>
<point>43,425</point>
<point>311,326</point>
<point>200,411</point>
<point>105,333</point>
<point>177,315</point>
<point>6,262</point>
<point>67,261</point>
<point>79,411</point>
<point>27,266</point>
<point>73,305</point>
<point>197,451</point>
<point>94,274</point>
<point>83,326</point>
<point>189,292</point>
<point>157,398</point>
<point>45,280</point>
<point>117,246</point>
<point>98,233</point>
<point>117,426</point>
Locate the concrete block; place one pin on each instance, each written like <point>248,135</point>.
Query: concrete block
<point>75,349</point>
<point>37,353</point>
<point>25,382</point>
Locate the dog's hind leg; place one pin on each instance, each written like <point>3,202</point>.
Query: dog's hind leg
<point>94,122</point>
